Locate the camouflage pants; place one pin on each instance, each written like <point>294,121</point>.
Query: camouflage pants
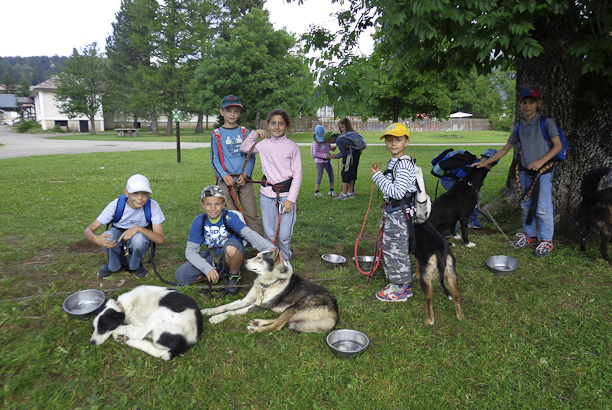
<point>395,256</point>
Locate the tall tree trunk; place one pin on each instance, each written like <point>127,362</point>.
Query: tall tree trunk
<point>579,104</point>
<point>169,124</point>
<point>92,122</point>
<point>154,125</point>
<point>199,126</point>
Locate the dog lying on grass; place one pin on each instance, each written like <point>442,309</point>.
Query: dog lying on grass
<point>434,258</point>
<point>171,319</point>
<point>304,305</point>
<point>457,204</point>
<point>596,211</point>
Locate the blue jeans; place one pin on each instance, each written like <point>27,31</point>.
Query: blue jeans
<point>138,245</point>
<point>187,273</point>
<point>544,219</point>
<point>269,216</point>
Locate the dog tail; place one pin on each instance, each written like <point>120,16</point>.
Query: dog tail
<point>591,181</point>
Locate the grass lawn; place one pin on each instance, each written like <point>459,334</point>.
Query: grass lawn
<point>539,339</point>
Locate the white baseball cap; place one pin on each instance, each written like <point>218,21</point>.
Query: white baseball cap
<point>138,183</point>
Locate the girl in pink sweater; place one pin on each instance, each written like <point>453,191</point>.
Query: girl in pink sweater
<point>281,164</point>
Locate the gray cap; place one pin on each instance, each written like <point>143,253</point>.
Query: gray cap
<point>212,191</point>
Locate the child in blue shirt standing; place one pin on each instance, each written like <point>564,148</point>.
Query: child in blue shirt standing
<point>398,184</point>
<point>537,153</point>
<point>227,161</point>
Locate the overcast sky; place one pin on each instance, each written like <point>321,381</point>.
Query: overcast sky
<point>56,27</point>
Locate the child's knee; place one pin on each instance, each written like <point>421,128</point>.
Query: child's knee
<point>232,252</point>
<point>139,241</point>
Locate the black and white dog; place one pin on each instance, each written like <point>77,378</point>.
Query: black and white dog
<point>457,204</point>
<point>596,210</point>
<point>171,319</point>
<point>304,305</point>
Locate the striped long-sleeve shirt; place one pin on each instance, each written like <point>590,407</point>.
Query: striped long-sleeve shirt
<point>405,179</point>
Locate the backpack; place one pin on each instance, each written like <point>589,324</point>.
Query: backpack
<point>422,201</point>
<point>217,134</point>
<point>358,140</point>
<point>451,160</point>
<point>561,155</point>
<point>121,207</point>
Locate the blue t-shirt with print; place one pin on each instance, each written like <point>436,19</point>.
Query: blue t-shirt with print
<point>214,235</point>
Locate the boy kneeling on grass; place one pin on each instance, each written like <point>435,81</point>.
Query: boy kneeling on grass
<point>222,232</point>
<point>398,184</point>
<point>136,222</point>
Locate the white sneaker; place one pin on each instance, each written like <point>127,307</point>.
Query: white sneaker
<point>350,195</point>
<point>342,196</point>
<point>318,194</point>
<point>331,193</point>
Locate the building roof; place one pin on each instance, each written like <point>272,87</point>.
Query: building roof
<point>46,85</point>
<point>8,102</point>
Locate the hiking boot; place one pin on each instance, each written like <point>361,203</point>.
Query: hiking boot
<point>233,285</point>
<point>104,272</point>
<point>524,241</point>
<point>141,272</point>
<point>390,294</point>
<point>543,249</point>
<point>318,194</point>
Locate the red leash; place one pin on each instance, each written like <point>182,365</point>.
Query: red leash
<point>378,248</point>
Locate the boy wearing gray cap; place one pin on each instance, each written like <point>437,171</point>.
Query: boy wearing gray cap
<point>222,232</point>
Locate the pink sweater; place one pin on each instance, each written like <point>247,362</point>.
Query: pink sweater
<point>280,160</point>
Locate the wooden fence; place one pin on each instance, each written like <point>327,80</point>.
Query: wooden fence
<point>307,124</point>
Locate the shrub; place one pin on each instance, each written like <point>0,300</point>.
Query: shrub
<point>29,126</point>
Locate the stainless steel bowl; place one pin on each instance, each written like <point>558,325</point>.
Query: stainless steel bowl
<point>331,260</point>
<point>502,265</point>
<point>364,262</point>
<point>84,303</point>
<point>347,343</point>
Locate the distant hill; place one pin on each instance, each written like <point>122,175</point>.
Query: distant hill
<point>36,69</point>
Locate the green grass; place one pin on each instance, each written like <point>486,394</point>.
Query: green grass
<point>424,137</point>
<point>539,339</point>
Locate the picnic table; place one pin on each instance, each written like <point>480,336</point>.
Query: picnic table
<point>128,132</point>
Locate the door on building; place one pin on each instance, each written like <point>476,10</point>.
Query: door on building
<point>83,126</point>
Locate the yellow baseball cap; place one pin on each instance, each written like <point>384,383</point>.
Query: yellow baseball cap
<point>397,130</point>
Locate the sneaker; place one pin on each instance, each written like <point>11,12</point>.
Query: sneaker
<point>389,294</point>
<point>342,196</point>
<point>350,195</point>
<point>331,193</point>
<point>524,241</point>
<point>318,194</point>
<point>141,272</point>
<point>233,285</point>
<point>475,224</point>
<point>543,249</point>
<point>104,272</point>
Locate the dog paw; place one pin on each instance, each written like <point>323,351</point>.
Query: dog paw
<point>470,245</point>
<point>217,319</point>
<point>205,312</point>
<point>122,339</point>
<point>253,326</point>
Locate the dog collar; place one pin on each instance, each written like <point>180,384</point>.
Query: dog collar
<point>263,285</point>
<point>120,306</point>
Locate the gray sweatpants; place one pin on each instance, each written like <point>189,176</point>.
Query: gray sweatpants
<point>395,245</point>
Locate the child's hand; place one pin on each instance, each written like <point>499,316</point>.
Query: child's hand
<point>263,134</point>
<point>213,276</point>
<point>374,169</point>
<point>106,241</point>
<point>242,179</point>
<point>334,156</point>
<point>127,234</point>
<point>536,165</point>
<point>229,180</point>
<point>287,206</point>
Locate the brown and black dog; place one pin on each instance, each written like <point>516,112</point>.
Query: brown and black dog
<point>435,259</point>
<point>596,210</point>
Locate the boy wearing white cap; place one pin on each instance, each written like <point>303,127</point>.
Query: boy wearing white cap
<point>136,222</point>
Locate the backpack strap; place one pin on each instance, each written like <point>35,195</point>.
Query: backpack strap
<point>120,208</point>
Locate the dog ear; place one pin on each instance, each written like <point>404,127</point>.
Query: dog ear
<point>275,254</point>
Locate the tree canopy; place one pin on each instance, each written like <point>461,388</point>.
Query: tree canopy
<point>562,47</point>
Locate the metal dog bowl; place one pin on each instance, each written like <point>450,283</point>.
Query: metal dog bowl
<point>364,262</point>
<point>84,304</point>
<point>502,265</point>
<point>331,260</point>
<point>347,343</point>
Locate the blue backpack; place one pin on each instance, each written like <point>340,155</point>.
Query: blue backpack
<point>121,207</point>
<point>561,155</point>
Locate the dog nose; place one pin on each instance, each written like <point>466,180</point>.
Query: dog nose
<point>92,342</point>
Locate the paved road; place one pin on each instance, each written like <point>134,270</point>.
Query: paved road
<point>17,145</point>
<point>25,145</point>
